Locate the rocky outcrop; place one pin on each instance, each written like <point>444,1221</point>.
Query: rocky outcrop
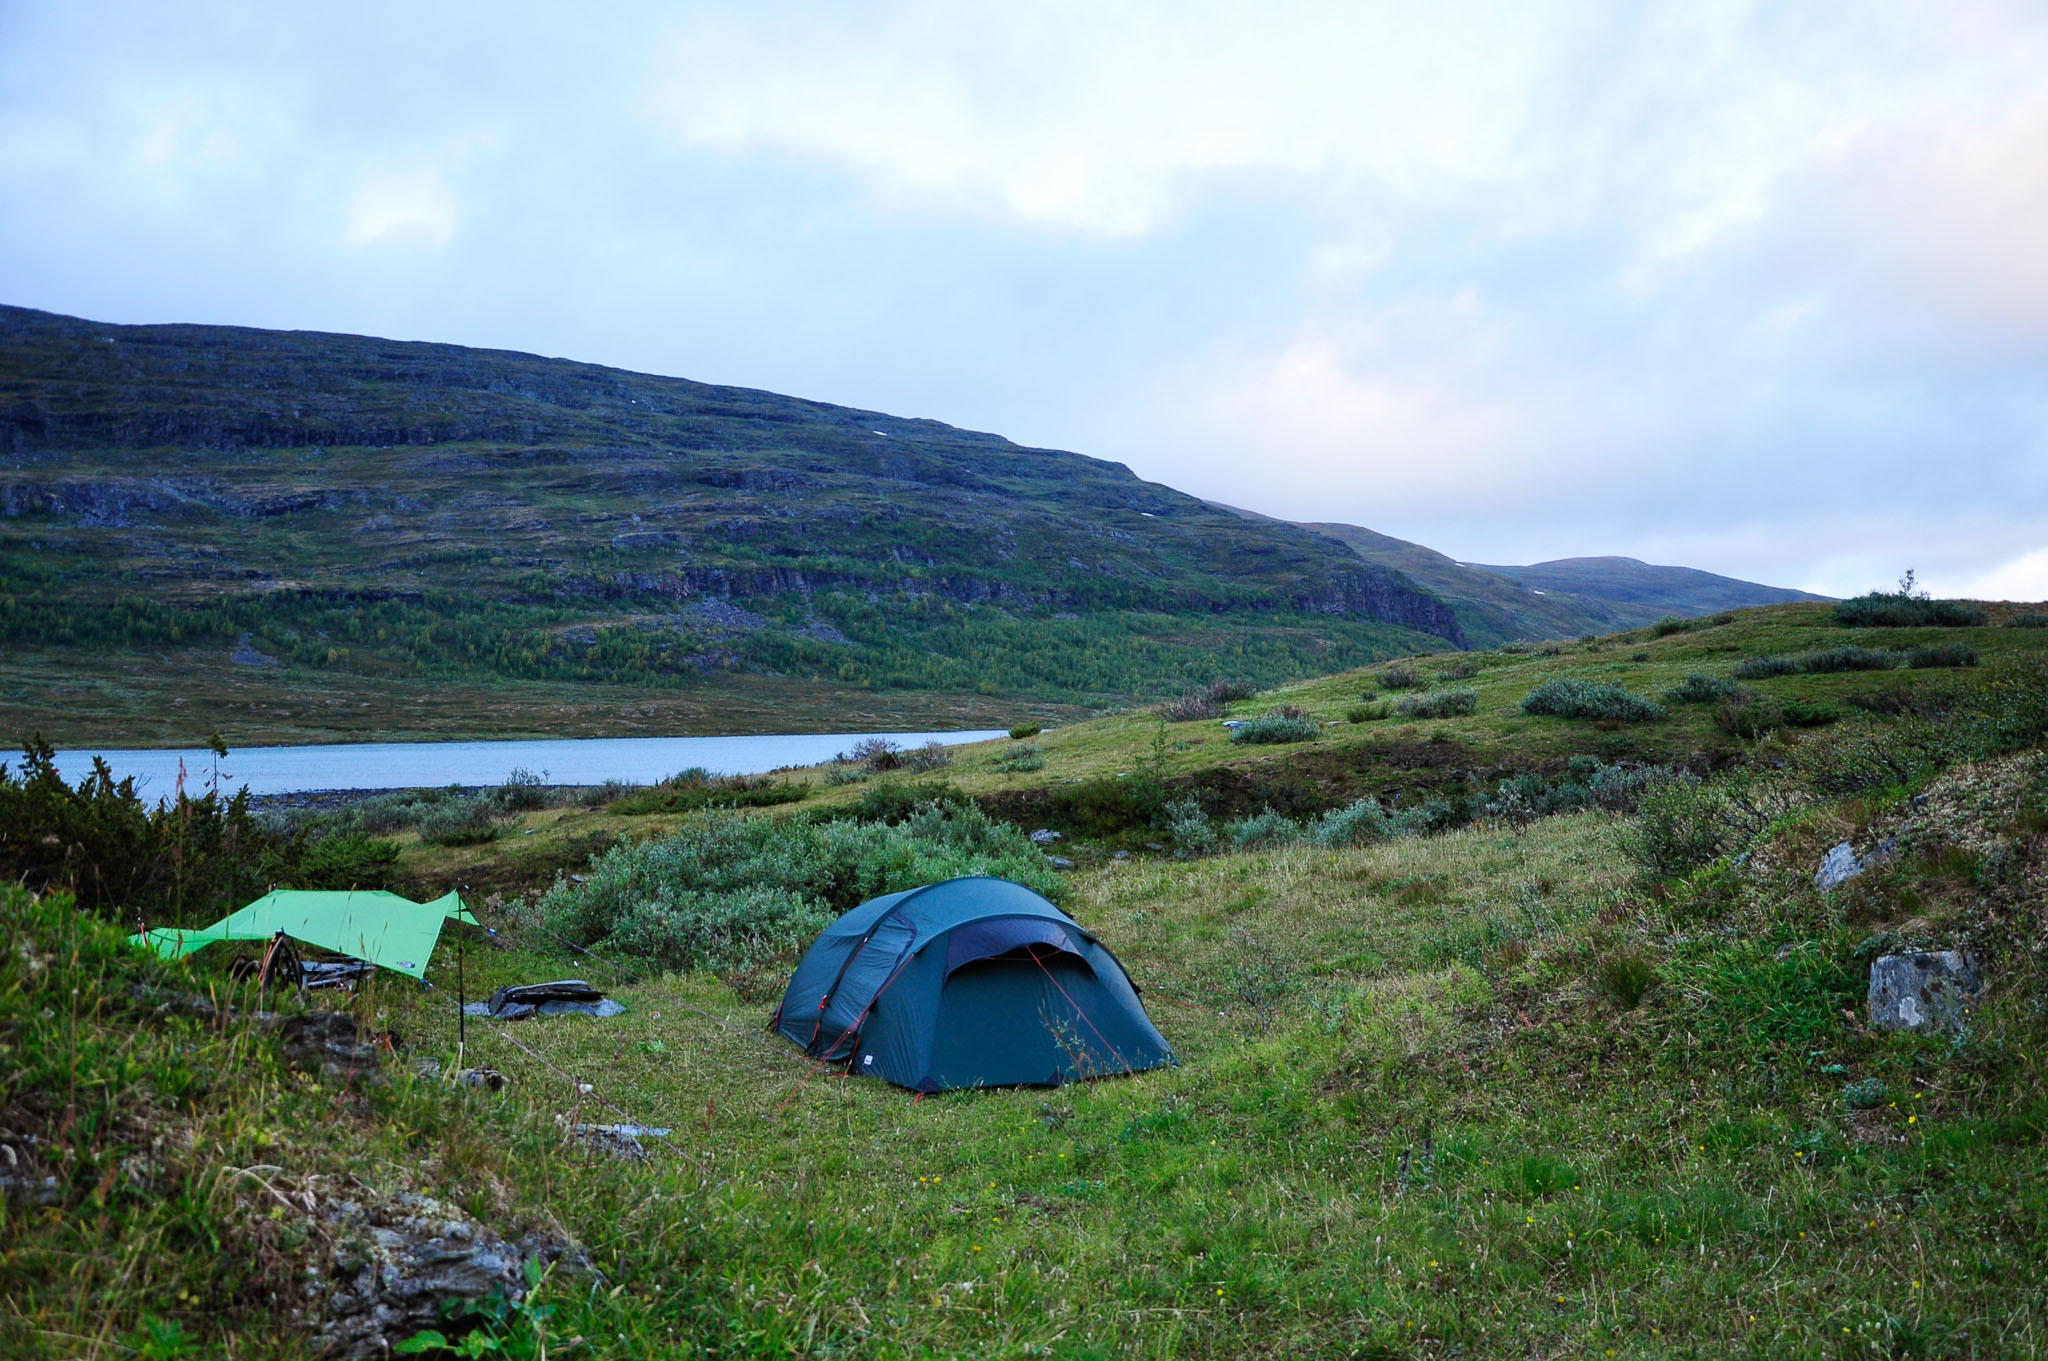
<point>399,1264</point>
<point>1930,991</point>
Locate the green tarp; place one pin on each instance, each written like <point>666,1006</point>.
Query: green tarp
<point>383,928</point>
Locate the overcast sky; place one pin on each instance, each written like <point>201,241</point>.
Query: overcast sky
<point>1756,288</point>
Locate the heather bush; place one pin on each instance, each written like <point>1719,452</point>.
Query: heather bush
<point>1400,677</point>
<point>1702,690</point>
<point>1263,829</point>
<point>1679,826</point>
<point>1670,624</point>
<point>1020,759</point>
<point>1275,728</point>
<point>875,755</point>
<point>1838,659</point>
<point>1948,654</point>
<point>1749,715</point>
<point>1455,702</point>
<point>459,822</point>
<point>1190,829</point>
<point>1891,609</point>
<point>1569,697</point>
<point>522,791</point>
<point>1230,691</point>
<point>1024,730</point>
<point>1191,707</point>
<point>933,755</point>
<point>1355,824</point>
<point>1369,712</point>
<point>1763,668</point>
<point>1808,713</point>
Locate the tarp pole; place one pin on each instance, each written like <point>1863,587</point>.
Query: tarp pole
<point>461,1007</point>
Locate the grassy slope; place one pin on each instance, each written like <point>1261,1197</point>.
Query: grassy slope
<point>1646,590</point>
<point>1409,1120</point>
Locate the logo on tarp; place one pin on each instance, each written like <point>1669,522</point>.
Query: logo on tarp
<point>867,1059</point>
<point>405,964</point>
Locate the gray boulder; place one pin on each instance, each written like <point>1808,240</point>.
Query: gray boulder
<point>1930,991</point>
<point>1843,864</point>
<point>1044,836</point>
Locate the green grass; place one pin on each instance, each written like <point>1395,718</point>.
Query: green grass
<point>1477,1093</point>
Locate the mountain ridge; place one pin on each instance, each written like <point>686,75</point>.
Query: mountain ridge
<point>405,511</point>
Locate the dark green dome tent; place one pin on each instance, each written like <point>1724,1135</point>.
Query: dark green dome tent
<point>972,982</point>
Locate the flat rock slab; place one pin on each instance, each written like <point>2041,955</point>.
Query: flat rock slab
<point>1930,991</point>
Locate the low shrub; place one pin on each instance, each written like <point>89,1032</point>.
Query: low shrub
<point>1948,654</point>
<point>1024,730</point>
<point>839,773</point>
<point>1275,728</point>
<point>1400,677</point>
<point>1369,712</point>
<point>730,891</point>
<point>1263,829</point>
<point>695,789</point>
<point>522,792</point>
<point>1189,829</point>
<point>1808,713</point>
<point>894,800</point>
<point>1586,782</point>
<point>1679,826</point>
<point>1019,760</point>
<point>2029,619</point>
<point>1670,624</point>
<point>1462,669</point>
<point>1749,715</point>
<point>348,860</point>
<point>1902,609</point>
<point>1698,689</point>
<point>1839,659</point>
<point>598,795</point>
<point>1355,824</point>
<point>1570,697</point>
<point>1892,701</point>
<point>1455,702</point>
<point>1231,691</point>
<point>1191,708</point>
<point>933,755</point>
<point>875,755</point>
<point>1763,668</point>
<point>459,822</point>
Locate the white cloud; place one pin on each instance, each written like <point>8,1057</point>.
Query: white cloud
<point>1091,118</point>
<point>2023,578</point>
<point>408,207</point>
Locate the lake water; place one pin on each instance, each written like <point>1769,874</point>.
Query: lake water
<point>418,765</point>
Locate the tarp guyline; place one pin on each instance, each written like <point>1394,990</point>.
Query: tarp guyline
<point>393,932</point>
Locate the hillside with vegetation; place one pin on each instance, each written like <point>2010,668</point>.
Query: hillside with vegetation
<point>1566,598</point>
<point>1513,1016</point>
<point>291,536</point>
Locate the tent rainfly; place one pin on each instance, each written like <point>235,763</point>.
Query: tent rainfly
<point>974,982</point>
<point>385,929</point>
